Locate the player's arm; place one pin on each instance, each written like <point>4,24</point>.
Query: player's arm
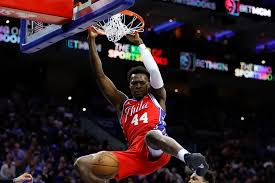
<point>22,178</point>
<point>150,64</point>
<point>111,93</point>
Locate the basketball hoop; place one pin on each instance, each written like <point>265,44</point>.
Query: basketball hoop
<point>47,29</point>
<point>119,25</point>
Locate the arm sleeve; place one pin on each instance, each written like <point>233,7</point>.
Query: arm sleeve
<point>152,67</point>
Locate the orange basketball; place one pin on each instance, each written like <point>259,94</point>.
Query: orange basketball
<point>104,165</point>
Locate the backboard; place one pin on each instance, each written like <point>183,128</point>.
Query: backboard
<point>54,12</point>
<point>35,35</point>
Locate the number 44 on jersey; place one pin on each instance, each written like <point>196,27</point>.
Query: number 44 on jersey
<point>143,118</point>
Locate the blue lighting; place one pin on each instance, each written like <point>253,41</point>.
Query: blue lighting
<point>270,46</point>
<point>224,34</point>
<point>166,26</point>
<point>221,35</point>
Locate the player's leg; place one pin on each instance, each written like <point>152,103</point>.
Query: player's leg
<point>158,142</point>
<point>84,165</point>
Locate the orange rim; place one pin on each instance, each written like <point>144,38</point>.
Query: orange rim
<point>125,12</point>
<point>133,14</point>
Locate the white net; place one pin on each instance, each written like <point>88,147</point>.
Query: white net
<point>35,30</point>
<point>34,27</point>
<point>116,27</point>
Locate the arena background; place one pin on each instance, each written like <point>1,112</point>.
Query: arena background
<point>217,70</point>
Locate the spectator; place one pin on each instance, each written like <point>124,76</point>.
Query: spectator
<point>8,168</point>
<point>208,178</point>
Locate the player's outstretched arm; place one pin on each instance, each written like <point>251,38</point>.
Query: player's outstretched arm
<point>111,93</point>
<point>152,67</point>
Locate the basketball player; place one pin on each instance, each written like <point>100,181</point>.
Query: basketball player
<point>25,177</point>
<point>207,178</point>
<point>142,120</point>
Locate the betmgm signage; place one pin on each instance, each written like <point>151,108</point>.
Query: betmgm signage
<point>9,34</point>
<point>234,7</point>
<point>255,10</point>
<point>81,45</point>
<point>189,62</point>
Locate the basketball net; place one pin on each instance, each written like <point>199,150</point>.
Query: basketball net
<point>119,25</point>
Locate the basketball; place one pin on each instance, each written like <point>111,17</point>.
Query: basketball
<point>104,165</point>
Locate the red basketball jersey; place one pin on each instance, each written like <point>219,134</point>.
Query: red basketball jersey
<point>139,117</point>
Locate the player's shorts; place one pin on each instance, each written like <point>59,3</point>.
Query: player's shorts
<point>137,161</point>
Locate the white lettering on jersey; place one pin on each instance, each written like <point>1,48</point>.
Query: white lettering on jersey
<point>130,110</point>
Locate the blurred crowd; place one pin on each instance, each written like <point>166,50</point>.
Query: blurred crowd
<point>42,136</point>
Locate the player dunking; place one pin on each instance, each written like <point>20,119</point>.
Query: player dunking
<point>142,120</point>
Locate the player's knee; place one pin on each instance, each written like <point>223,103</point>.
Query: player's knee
<point>154,138</point>
<point>79,164</point>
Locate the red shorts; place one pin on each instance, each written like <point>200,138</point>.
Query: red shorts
<point>136,161</point>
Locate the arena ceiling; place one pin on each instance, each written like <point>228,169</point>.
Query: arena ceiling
<point>256,29</point>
